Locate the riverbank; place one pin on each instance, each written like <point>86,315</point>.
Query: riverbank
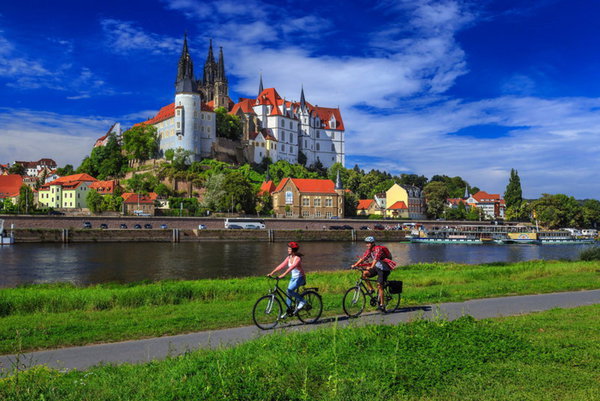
<point>72,235</point>
<point>49,316</point>
<point>551,355</point>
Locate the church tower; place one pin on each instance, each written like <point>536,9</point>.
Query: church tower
<point>187,102</point>
<point>221,85</point>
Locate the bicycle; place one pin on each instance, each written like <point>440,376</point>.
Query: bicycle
<point>268,312</point>
<point>355,298</point>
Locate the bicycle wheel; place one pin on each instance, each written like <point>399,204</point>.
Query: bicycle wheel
<point>392,301</point>
<point>354,302</point>
<point>313,308</point>
<point>266,312</point>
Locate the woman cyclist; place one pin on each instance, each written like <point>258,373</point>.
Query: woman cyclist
<point>293,262</point>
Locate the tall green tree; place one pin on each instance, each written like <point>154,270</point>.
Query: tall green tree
<point>350,204</point>
<point>513,194</point>
<point>66,170</point>
<point>105,161</point>
<point>94,201</point>
<point>436,194</point>
<point>230,191</point>
<point>557,211</point>
<point>16,169</point>
<point>25,203</point>
<point>591,213</point>
<point>228,126</point>
<point>140,142</point>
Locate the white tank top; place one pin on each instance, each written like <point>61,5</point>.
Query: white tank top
<point>296,271</point>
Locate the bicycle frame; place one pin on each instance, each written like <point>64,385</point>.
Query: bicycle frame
<point>282,295</point>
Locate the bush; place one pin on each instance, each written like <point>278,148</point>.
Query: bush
<point>590,254</point>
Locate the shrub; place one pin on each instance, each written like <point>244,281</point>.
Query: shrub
<point>590,254</point>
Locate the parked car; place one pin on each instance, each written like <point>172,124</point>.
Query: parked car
<point>364,228</point>
<point>234,227</point>
<point>347,227</point>
<point>103,226</point>
<point>334,218</point>
<point>124,226</point>
<point>335,227</point>
<point>141,213</point>
<point>378,227</point>
<point>55,213</point>
<point>164,226</point>
<point>201,227</point>
<point>148,226</point>
<point>137,227</point>
<point>252,227</point>
<point>87,224</point>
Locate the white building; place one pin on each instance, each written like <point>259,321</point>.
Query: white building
<point>272,126</point>
<point>318,132</point>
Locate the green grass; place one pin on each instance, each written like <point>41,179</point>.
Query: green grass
<point>50,316</point>
<point>552,356</point>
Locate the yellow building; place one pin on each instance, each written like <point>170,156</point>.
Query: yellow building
<point>405,201</point>
<point>67,192</point>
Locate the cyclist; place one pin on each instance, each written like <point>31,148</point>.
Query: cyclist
<point>378,255</point>
<point>298,279</point>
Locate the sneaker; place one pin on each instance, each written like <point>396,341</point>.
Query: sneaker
<point>300,306</point>
<point>381,308</point>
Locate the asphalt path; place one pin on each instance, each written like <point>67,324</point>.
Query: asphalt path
<point>139,351</point>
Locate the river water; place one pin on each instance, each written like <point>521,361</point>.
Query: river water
<point>130,262</point>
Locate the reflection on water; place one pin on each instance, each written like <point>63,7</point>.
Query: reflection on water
<point>129,262</point>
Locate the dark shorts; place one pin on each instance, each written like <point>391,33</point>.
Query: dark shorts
<point>382,275</point>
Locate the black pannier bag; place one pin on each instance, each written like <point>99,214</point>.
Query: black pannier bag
<point>395,286</point>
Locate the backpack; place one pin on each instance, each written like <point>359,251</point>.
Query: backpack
<point>387,256</point>
<point>386,252</point>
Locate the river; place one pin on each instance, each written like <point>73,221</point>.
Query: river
<point>86,264</point>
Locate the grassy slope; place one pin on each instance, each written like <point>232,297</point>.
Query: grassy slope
<point>552,355</point>
<point>48,316</point>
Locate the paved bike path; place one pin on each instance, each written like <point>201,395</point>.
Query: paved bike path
<point>138,351</point>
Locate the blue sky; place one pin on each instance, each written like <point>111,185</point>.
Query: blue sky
<point>456,87</point>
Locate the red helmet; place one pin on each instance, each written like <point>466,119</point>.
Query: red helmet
<point>293,245</point>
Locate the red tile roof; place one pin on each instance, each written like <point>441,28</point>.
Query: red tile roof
<point>70,181</point>
<point>364,204</point>
<point>245,105</point>
<point>266,188</point>
<point>104,187</point>
<point>398,205</point>
<point>483,196</point>
<point>131,197</point>
<point>10,185</point>
<point>309,185</point>
<point>163,114</point>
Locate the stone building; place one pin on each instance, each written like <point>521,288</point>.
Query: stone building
<point>308,198</point>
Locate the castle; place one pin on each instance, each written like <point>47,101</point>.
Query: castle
<point>272,126</point>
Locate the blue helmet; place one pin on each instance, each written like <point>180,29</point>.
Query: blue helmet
<point>370,239</point>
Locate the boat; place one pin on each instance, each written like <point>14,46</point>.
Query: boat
<point>5,238</point>
<point>494,234</point>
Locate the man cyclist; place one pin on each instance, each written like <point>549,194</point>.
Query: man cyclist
<point>379,267</point>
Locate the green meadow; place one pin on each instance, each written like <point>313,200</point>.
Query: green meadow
<point>552,355</point>
<point>56,315</point>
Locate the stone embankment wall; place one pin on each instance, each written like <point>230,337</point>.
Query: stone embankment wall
<point>176,235</point>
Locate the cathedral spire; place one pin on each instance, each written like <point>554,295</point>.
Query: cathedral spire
<point>221,66</point>
<point>302,100</point>
<point>260,86</point>
<point>185,70</point>
<point>210,57</point>
<point>338,181</point>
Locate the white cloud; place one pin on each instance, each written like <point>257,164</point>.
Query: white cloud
<point>124,37</point>
<point>31,135</point>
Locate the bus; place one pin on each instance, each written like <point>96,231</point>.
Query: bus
<point>245,223</point>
